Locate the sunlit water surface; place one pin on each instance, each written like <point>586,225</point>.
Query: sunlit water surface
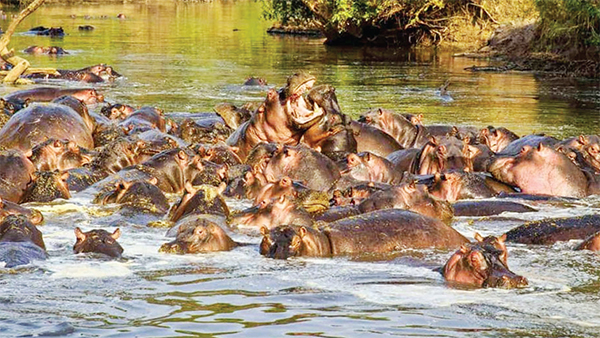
<point>186,57</point>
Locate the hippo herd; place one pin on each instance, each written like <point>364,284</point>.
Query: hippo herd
<point>321,184</point>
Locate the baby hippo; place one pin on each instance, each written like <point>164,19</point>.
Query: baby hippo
<point>98,241</point>
<point>198,235</point>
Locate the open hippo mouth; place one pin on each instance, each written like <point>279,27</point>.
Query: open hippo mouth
<point>303,117</point>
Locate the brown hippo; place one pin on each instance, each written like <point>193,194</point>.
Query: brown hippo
<point>144,119</point>
<point>378,232</point>
<point>455,185</point>
<point>496,138</point>
<point>374,140</point>
<point>10,208</point>
<point>117,111</point>
<point>20,242</point>
<point>445,153</point>
<point>531,141</point>
<point>137,196</point>
<point>488,208</point>
<point>401,128</point>
<point>303,164</point>
<point>47,94</point>
<point>591,243</point>
<point>480,265</point>
<point>234,116</point>
<point>46,187</point>
<point>555,174</point>
<point>51,50</point>
<point>39,122</point>
<point>204,199</point>
<point>79,107</point>
<point>270,214</point>
<point>198,235</point>
<point>98,241</point>
<point>16,172</point>
<point>369,167</point>
<point>551,230</point>
<point>409,196</point>
<point>59,155</point>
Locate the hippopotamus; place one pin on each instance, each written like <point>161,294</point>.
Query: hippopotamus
<point>101,69</point>
<point>234,116</point>
<point>79,107</point>
<point>171,167</point>
<point>369,167</point>
<point>488,208</point>
<point>204,199</point>
<point>496,138</point>
<point>455,185</point>
<point>554,174</point>
<point>591,243</point>
<point>137,196</point>
<point>120,153</point>
<point>401,128</point>
<point>20,242</point>
<point>39,122</point>
<point>531,141</point>
<point>551,230</point>
<point>143,119</point>
<point>67,75</point>
<point>409,196</point>
<point>354,194</point>
<point>272,122</point>
<point>16,171</point>
<point>47,94</point>
<point>270,214</point>
<point>47,186</point>
<point>585,152</point>
<point>373,140</point>
<point>337,212</point>
<point>156,141</point>
<point>480,265</point>
<point>378,232</point>
<point>218,154</point>
<point>193,132</point>
<point>255,81</point>
<point>51,50</point>
<point>206,172</point>
<point>98,241</point>
<point>117,111</point>
<point>198,234</point>
<point>303,164</point>
<point>53,32</point>
<point>58,155</point>
<point>445,153</point>
<point>10,208</point>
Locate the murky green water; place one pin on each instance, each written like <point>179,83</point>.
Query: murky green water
<point>186,57</point>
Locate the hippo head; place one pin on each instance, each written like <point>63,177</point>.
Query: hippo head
<point>496,138</point>
<point>299,83</point>
<point>98,241</point>
<point>199,236</point>
<point>17,228</point>
<point>444,153</point>
<point>480,265</point>
<point>292,240</point>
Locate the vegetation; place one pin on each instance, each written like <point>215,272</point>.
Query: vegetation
<point>569,27</point>
<point>398,22</point>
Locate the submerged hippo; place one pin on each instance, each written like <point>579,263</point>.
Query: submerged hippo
<point>480,265</point>
<point>46,187</point>
<point>10,208</point>
<point>47,94</point>
<point>197,234</point>
<point>98,241</point>
<point>20,242</point>
<point>40,122</point>
<point>551,230</point>
<point>378,232</point>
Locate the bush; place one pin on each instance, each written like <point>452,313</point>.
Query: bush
<point>568,24</point>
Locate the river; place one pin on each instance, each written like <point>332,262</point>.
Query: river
<point>188,56</point>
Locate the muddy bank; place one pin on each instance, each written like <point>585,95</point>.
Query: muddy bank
<point>516,46</point>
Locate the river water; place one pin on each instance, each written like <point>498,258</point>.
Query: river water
<point>186,57</point>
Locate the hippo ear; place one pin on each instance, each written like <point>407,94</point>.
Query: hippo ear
<point>64,176</point>
<point>57,144</point>
<point>302,232</point>
<point>181,155</point>
<point>478,237</point>
<point>1,202</point>
<point>264,231</point>
<point>152,180</point>
<point>353,159</point>
<point>583,140</point>
<point>285,181</point>
<point>502,238</point>
<point>368,156</point>
<point>540,146</point>
<point>433,140</point>
<point>79,235</point>
<point>263,204</point>
<point>116,234</point>
<point>464,249</point>
<point>28,153</point>
<point>380,112</point>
